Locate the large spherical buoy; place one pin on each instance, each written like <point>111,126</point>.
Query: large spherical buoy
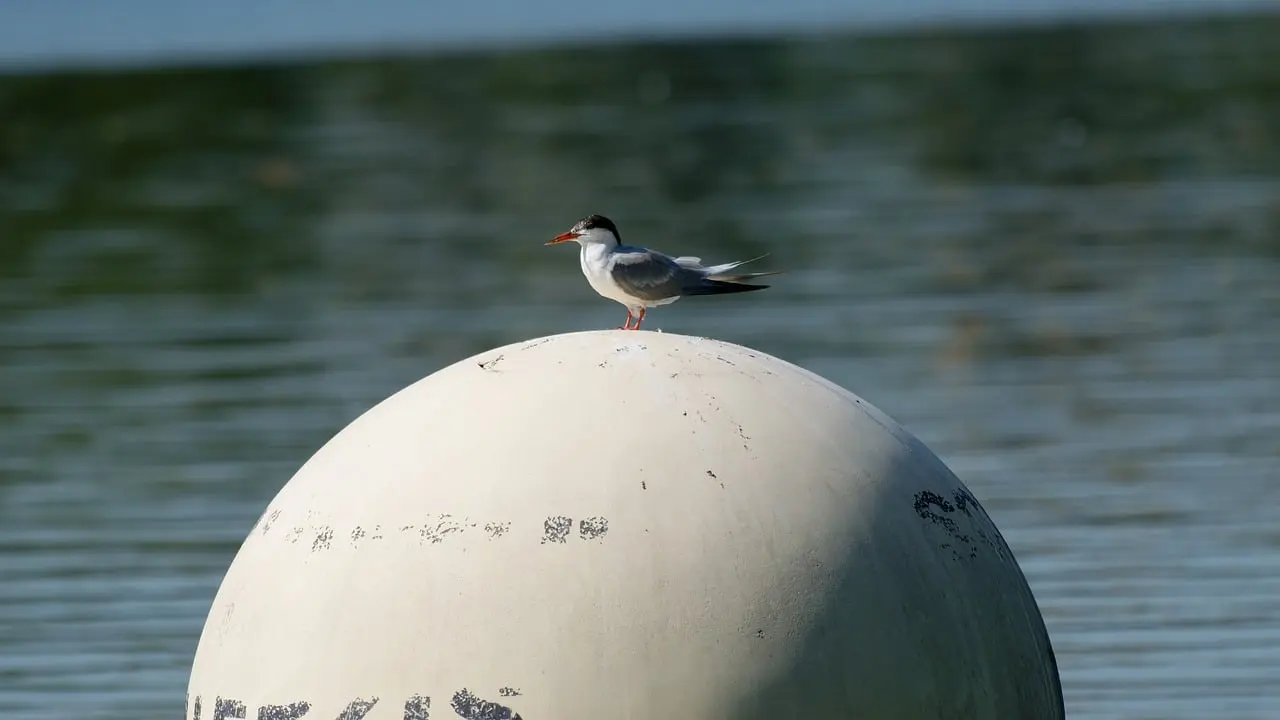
<point>624,525</point>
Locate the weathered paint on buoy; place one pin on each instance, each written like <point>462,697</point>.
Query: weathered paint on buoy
<point>624,525</point>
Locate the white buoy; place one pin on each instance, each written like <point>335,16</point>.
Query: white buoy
<point>624,525</point>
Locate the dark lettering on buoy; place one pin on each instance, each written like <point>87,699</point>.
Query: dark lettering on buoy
<point>226,708</point>
<point>470,707</point>
<point>292,711</point>
<point>358,709</point>
<point>593,528</point>
<point>466,705</point>
<point>556,528</point>
<point>417,707</point>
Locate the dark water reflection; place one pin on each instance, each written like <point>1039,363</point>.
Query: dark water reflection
<point>1051,254</point>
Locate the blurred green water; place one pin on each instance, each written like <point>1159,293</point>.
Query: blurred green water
<point>1050,253</point>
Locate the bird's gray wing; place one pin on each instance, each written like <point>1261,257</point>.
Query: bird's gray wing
<point>650,275</point>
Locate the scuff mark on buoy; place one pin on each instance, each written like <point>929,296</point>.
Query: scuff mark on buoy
<point>356,534</point>
<point>322,539</point>
<point>444,527</point>
<point>925,503</point>
<point>497,530</point>
<point>535,343</point>
<point>227,614</point>
<point>491,364</point>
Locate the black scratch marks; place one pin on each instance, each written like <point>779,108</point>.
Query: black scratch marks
<point>593,528</point>
<point>444,526</point>
<point>269,520</point>
<point>643,486</point>
<point>943,513</point>
<point>726,361</point>
<point>715,477</point>
<point>509,692</point>
<point>323,538</point>
<point>556,528</point>
<point>439,529</point>
<point>535,343</point>
<point>491,365</point>
<point>469,707</point>
<point>760,633</point>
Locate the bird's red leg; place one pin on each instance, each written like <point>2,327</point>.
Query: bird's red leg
<point>627,324</point>
<point>639,319</point>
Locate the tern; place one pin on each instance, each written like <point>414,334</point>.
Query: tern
<point>641,278</point>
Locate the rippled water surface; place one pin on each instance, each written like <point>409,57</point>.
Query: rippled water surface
<point>1051,254</point>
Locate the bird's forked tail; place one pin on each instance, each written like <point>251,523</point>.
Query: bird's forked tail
<point>721,273</point>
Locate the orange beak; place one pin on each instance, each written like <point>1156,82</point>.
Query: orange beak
<point>562,237</point>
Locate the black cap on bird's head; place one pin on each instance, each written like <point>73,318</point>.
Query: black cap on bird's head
<point>585,226</point>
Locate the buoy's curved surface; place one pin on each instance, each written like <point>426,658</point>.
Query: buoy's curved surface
<point>624,525</point>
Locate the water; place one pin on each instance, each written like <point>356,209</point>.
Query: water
<point>128,32</point>
<point>1051,254</point>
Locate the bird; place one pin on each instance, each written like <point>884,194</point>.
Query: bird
<point>640,278</point>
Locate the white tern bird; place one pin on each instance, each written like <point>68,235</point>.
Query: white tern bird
<point>641,278</point>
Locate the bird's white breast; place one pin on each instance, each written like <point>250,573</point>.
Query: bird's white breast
<point>595,265</point>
